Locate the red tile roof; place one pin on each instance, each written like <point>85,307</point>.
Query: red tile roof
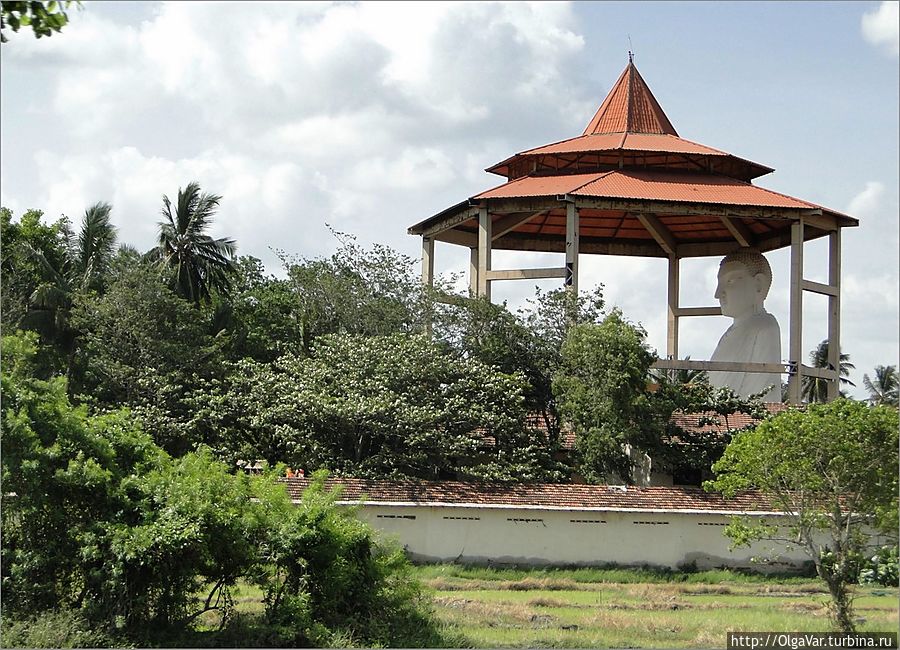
<point>626,141</point>
<point>691,421</point>
<point>551,496</point>
<point>648,185</point>
<point>630,106</point>
<point>685,421</point>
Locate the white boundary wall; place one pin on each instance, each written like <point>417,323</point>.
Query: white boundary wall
<point>533,535</point>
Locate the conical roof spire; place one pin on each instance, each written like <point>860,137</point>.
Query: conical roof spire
<point>630,107</point>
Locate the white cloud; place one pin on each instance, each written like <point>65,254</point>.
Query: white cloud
<point>868,203</point>
<point>369,116</point>
<point>881,26</point>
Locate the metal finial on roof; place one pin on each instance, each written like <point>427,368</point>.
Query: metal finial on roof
<point>630,56</point>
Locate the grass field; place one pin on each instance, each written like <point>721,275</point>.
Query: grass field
<point>632,608</point>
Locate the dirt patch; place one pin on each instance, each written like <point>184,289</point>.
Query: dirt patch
<point>816,609</point>
<point>550,602</point>
<point>702,590</point>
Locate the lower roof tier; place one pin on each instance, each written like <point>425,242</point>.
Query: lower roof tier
<point>629,212</point>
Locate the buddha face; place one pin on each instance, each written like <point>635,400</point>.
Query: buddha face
<point>740,293</point>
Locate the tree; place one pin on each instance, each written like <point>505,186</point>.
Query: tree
<point>143,347</point>
<point>528,342</point>
<point>370,292</point>
<point>44,17</point>
<point>832,471</point>
<point>260,316</point>
<point>815,389</point>
<point>29,247</point>
<point>98,519</point>
<point>601,388</point>
<point>199,264</point>
<point>92,251</point>
<point>379,407</point>
<point>56,265</point>
<point>883,388</point>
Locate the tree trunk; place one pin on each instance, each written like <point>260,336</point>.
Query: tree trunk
<point>841,604</point>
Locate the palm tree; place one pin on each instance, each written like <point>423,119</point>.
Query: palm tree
<point>815,389</point>
<point>199,263</point>
<point>83,267</point>
<point>884,388</point>
<point>678,377</point>
<point>93,250</point>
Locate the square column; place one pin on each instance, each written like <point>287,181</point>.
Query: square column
<point>572,228</point>
<point>672,313</point>
<point>484,252</point>
<point>795,350</point>
<point>427,261</point>
<point>834,312</point>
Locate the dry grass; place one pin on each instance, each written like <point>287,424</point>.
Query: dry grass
<point>570,612</point>
<point>525,584</point>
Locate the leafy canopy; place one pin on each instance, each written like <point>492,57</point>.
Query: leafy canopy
<point>99,521</point>
<point>832,469</point>
<point>380,406</point>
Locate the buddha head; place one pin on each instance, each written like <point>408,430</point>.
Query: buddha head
<point>744,280</point>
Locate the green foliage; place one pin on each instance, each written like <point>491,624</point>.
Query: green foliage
<point>199,265</point>
<point>55,629</point>
<point>145,348</point>
<point>380,406</point>
<point>882,568</point>
<point>815,389</point>
<point>63,476</point>
<point>331,583</point>
<point>32,252</point>
<point>601,388</point>
<point>260,319</point>
<point>883,386</point>
<point>370,292</point>
<point>49,266</point>
<point>833,470</point>
<point>697,447</point>
<point>106,533</point>
<point>43,17</point>
<point>528,342</point>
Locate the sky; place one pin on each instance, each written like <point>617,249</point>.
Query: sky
<point>370,117</point>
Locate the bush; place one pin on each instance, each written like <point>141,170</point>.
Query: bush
<point>55,629</point>
<point>104,533</point>
<point>881,568</point>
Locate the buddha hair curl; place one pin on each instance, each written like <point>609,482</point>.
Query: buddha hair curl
<point>755,262</point>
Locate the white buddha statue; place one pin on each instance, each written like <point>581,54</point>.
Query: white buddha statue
<point>744,280</point>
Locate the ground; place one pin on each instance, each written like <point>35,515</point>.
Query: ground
<point>620,608</point>
<point>603,608</point>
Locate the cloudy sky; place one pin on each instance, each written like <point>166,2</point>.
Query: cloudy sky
<point>371,117</point>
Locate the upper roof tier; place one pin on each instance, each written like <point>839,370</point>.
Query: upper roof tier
<point>630,107</point>
<point>628,131</point>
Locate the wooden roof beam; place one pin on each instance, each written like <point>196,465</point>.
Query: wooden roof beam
<point>659,231</point>
<point>738,230</point>
<point>447,222</point>
<point>511,222</point>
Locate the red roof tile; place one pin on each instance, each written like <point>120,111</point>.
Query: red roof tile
<point>691,421</point>
<point>627,141</point>
<point>630,106</point>
<point>536,495</point>
<point>649,185</point>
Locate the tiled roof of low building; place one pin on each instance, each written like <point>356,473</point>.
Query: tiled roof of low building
<point>712,423</point>
<point>550,496</point>
<point>732,422</point>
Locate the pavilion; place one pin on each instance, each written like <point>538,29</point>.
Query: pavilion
<point>629,185</point>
